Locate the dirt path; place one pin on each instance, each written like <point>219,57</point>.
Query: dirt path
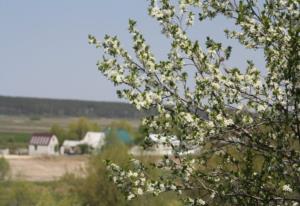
<point>45,168</point>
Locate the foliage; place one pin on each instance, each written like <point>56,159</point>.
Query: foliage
<point>35,118</point>
<point>251,126</point>
<point>123,130</point>
<point>59,132</point>
<point>13,140</point>
<point>84,148</point>
<point>141,134</point>
<point>28,194</point>
<point>123,124</point>
<point>111,141</point>
<point>93,188</point>
<point>96,188</point>
<point>4,168</point>
<point>76,129</point>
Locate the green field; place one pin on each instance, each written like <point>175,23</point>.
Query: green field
<point>28,124</point>
<point>14,140</point>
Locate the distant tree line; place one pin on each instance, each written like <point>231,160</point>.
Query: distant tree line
<point>66,108</point>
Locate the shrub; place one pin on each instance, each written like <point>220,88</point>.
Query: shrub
<point>4,168</point>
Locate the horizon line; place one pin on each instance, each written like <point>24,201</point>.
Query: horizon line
<point>63,99</point>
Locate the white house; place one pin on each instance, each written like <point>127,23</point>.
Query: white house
<point>4,152</point>
<point>94,140</point>
<point>43,144</point>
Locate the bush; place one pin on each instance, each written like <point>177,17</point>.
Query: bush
<point>19,193</point>
<point>4,168</point>
<point>96,188</point>
<point>84,148</point>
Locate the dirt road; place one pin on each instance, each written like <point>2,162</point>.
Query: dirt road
<point>45,168</point>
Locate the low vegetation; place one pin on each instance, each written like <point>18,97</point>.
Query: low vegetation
<point>14,140</point>
<point>4,169</point>
<point>93,188</point>
<point>75,130</point>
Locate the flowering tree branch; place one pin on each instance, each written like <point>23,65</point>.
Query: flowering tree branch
<point>246,124</point>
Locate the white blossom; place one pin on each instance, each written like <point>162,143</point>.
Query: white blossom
<point>130,196</point>
<point>140,191</point>
<point>287,188</point>
<point>236,114</point>
<point>201,202</point>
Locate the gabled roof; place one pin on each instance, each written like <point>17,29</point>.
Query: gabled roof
<point>40,139</point>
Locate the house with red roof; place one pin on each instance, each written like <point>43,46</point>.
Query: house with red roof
<point>43,144</point>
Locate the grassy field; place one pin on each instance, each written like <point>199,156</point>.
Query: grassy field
<point>45,168</point>
<point>23,124</point>
<point>14,140</point>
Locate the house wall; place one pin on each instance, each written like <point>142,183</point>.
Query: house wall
<point>62,150</point>
<point>38,150</point>
<point>51,147</point>
<point>4,151</point>
<point>94,139</point>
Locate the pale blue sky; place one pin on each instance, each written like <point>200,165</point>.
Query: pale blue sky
<point>44,50</point>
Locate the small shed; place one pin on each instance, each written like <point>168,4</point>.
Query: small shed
<point>43,144</point>
<point>70,147</point>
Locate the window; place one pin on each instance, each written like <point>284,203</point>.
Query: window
<point>35,147</point>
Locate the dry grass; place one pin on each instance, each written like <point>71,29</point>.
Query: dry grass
<point>45,168</point>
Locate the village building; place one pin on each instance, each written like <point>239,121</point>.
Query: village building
<point>43,144</point>
<point>94,141</point>
<point>4,151</point>
<point>70,147</point>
